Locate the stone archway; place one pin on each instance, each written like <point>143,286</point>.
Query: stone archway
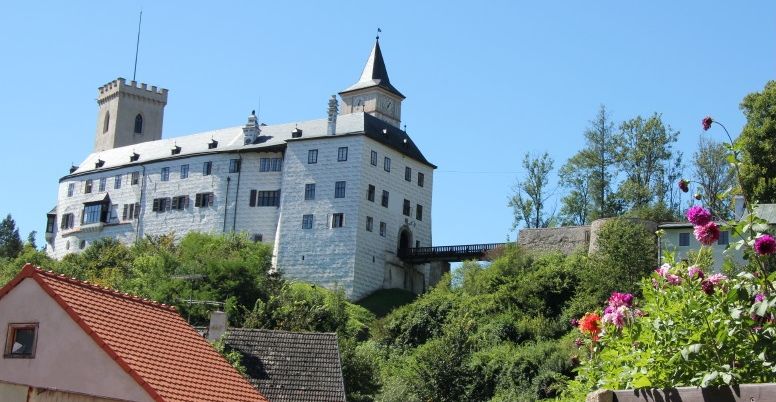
<point>405,240</point>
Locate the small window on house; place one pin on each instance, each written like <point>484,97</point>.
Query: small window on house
<point>387,164</point>
<point>309,191</point>
<point>103,183</point>
<point>184,171</point>
<point>21,340</point>
<point>384,201</point>
<point>382,229</point>
<point>135,178</point>
<point>117,182</point>
<point>82,244</point>
<point>270,164</point>
<point>408,173</point>
<point>165,174</point>
<point>234,165</point>
<point>417,243</point>
<point>268,198</point>
<point>684,239</point>
<point>724,238</point>
<point>369,223</point>
<point>180,202</point>
<point>307,221</point>
<point>406,208</point>
<point>207,168</point>
<point>202,200</point>
<point>51,222</point>
<point>68,221</point>
<point>213,144</point>
<point>419,212</point>
<point>337,220</point>
<point>373,158</point>
<point>138,124</point>
<point>421,179</point>
<point>70,189</point>
<point>161,204</point>
<point>312,156</point>
<point>176,150</point>
<point>106,122</point>
<point>370,193</point>
<point>339,189</point>
<point>134,157</point>
<point>342,154</point>
<point>100,163</point>
<point>131,211</point>
<point>88,186</point>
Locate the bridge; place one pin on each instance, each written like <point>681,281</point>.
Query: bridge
<point>420,255</point>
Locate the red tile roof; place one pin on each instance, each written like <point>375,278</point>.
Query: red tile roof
<point>149,340</point>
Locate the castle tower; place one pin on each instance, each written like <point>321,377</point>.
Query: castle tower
<point>128,114</point>
<point>373,93</point>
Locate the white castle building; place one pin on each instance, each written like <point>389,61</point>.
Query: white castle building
<point>337,197</point>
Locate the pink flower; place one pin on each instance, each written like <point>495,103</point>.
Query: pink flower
<point>716,279</point>
<point>579,342</point>
<point>765,245</point>
<point>673,279</point>
<point>663,270</point>
<point>616,316</point>
<point>684,185</point>
<point>759,297</point>
<point>698,216</point>
<point>695,271</point>
<point>707,287</point>
<point>638,313</point>
<point>707,234</point>
<point>707,123</point>
<point>620,299</point>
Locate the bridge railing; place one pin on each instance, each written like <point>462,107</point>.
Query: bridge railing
<point>462,251</point>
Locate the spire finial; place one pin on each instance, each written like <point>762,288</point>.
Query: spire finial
<point>378,34</point>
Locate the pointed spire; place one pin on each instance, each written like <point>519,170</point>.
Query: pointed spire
<point>375,73</point>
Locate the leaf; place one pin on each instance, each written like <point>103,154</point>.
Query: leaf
<point>762,308</point>
<point>735,313</point>
<point>727,377</point>
<point>760,227</point>
<point>709,378</point>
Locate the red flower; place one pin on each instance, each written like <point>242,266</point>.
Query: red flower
<point>590,324</point>
<point>765,245</point>
<point>707,123</point>
<point>684,185</point>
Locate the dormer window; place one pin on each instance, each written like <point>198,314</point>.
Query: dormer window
<point>99,163</point>
<point>138,124</point>
<point>213,144</point>
<point>176,150</point>
<point>21,340</point>
<point>134,157</point>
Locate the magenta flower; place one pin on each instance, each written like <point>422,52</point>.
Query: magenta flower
<point>663,270</point>
<point>698,216</point>
<point>684,185</point>
<point>695,271</point>
<point>579,342</point>
<point>616,316</point>
<point>620,299</point>
<point>673,279</point>
<point>716,279</point>
<point>707,287</point>
<point>707,123</point>
<point>759,297</point>
<point>765,245</point>
<point>707,234</point>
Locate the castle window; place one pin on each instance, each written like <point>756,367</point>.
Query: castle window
<point>408,173</point>
<point>184,171</point>
<point>70,189</point>
<point>117,182</point>
<point>68,221</point>
<point>134,157</point>
<point>369,223</point>
<point>387,164</point>
<point>138,124</point>
<point>234,165</point>
<point>342,154</point>
<point>165,175</point>
<point>176,150</point>
<point>384,201</point>
<point>88,186</point>
<point>419,212</point>
<point>213,144</point>
<point>95,212</point>
<point>370,193</point>
<point>51,221</point>
<point>252,199</point>
<point>373,158</point>
<point>339,189</point>
<point>103,183</point>
<point>180,202</point>
<point>406,208</point>
<point>684,239</point>
<point>312,156</point>
<point>268,198</point>
<point>207,168</point>
<point>204,200</point>
<point>161,205</point>
<point>106,122</point>
<point>382,229</point>
<point>135,178</point>
<point>309,191</point>
<point>337,220</point>
<point>270,164</point>
<point>131,211</point>
<point>21,340</point>
<point>421,179</point>
<point>307,221</point>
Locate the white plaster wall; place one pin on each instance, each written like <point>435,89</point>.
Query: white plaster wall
<point>670,242</point>
<point>66,358</point>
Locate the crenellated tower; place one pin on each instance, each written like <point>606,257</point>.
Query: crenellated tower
<point>128,114</point>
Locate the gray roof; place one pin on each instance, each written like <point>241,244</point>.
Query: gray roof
<point>272,137</point>
<point>291,366</point>
<point>766,211</point>
<point>375,74</point>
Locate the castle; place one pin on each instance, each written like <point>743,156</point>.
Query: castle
<point>338,198</point>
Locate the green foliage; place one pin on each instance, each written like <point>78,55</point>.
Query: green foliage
<point>383,301</point>
<point>758,141</point>
<point>531,193</point>
<point>714,177</point>
<point>10,242</point>
<point>234,357</point>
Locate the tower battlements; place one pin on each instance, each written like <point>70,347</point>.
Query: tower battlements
<point>142,90</point>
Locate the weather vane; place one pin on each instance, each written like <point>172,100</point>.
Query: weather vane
<point>378,33</point>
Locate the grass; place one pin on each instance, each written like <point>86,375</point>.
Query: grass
<point>383,301</point>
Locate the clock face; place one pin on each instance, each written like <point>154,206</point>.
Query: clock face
<point>388,104</point>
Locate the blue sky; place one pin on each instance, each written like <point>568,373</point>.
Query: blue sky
<point>485,82</point>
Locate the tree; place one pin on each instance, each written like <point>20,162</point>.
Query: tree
<point>577,205</point>
<point>714,176</point>
<point>31,239</point>
<point>531,193</point>
<point>646,157</point>
<point>758,140</point>
<point>10,242</point>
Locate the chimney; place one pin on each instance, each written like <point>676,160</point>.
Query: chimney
<point>217,327</point>
<point>333,111</point>
<point>251,131</point>
<point>738,206</point>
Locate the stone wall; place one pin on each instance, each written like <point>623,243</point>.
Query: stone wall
<point>567,239</point>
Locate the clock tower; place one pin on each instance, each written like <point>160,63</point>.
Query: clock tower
<point>373,93</point>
